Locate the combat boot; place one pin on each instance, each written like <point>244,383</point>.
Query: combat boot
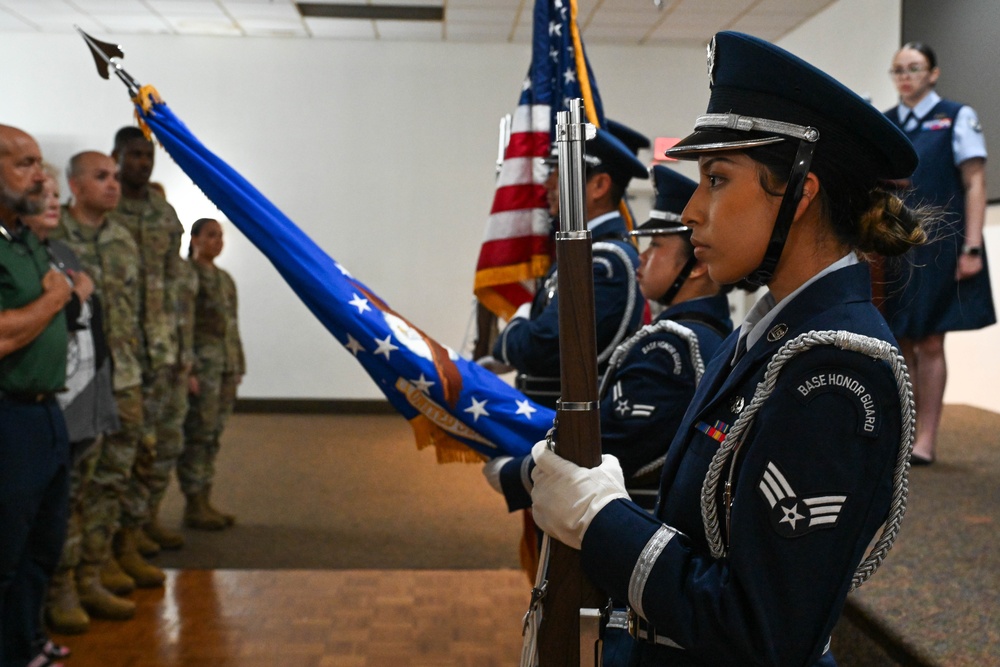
<point>146,545</point>
<point>132,562</point>
<point>114,579</point>
<point>63,612</point>
<point>197,515</point>
<point>99,601</point>
<point>167,539</point>
<point>229,519</point>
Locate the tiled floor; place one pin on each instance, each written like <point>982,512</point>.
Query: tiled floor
<point>316,618</point>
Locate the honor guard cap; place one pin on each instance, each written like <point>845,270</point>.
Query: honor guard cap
<point>605,152</point>
<point>634,140</point>
<point>673,190</point>
<point>762,94</point>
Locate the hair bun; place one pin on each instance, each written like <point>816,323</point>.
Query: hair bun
<point>889,227</point>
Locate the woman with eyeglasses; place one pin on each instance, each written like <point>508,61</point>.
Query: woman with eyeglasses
<point>945,285</point>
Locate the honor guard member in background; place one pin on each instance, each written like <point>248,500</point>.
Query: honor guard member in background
<point>792,457</point>
<point>110,256</point>
<point>944,285</point>
<point>34,445</point>
<point>652,375</point>
<point>530,341</point>
<point>154,225</point>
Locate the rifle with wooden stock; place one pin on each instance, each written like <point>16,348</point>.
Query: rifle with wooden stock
<point>564,600</point>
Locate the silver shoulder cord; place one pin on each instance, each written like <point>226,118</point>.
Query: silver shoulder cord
<point>694,349</point>
<point>630,303</point>
<point>872,347</point>
<point>669,326</point>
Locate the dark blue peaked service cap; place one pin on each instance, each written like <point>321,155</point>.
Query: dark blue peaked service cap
<point>762,94</point>
<point>673,190</point>
<point>635,141</point>
<point>607,153</point>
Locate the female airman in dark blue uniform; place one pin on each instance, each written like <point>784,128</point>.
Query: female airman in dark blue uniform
<point>794,451</point>
<point>944,285</point>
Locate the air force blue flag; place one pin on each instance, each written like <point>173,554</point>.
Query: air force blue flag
<point>450,402</point>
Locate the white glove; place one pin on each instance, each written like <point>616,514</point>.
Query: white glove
<point>491,471</point>
<point>566,497</point>
<point>523,311</point>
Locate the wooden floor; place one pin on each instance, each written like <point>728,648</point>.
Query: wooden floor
<point>315,618</point>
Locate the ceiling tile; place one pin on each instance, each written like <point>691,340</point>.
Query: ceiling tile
<point>767,26</point>
<point>341,28</point>
<point>629,18</point>
<point>799,7</point>
<point>149,23</point>
<point>474,32</point>
<point>678,21</point>
<point>477,15</point>
<point>258,28</point>
<point>614,33</point>
<point>424,31</point>
<point>254,10</point>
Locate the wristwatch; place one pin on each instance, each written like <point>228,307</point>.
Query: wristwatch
<point>972,250</point>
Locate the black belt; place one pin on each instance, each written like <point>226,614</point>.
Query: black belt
<point>626,619</point>
<point>27,397</point>
<point>539,386</point>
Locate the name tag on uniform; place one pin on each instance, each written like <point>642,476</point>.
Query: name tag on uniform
<point>834,380</point>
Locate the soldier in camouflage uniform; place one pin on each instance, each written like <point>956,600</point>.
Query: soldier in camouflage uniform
<point>157,232</point>
<point>109,254</point>
<point>170,434</point>
<point>218,370</point>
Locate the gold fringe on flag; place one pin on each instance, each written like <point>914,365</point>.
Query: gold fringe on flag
<point>145,99</point>
<point>448,450</point>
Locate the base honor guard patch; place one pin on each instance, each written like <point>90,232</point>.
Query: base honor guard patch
<point>825,381</point>
<point>794,516</point>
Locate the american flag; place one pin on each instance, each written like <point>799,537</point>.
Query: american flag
<point>518,247</point>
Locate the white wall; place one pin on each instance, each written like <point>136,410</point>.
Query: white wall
<point>382,152</point>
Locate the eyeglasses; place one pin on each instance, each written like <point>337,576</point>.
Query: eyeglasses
<point>912,70</point>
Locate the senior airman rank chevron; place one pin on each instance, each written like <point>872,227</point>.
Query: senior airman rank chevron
<point>625,408</point>
<point>792,516</point>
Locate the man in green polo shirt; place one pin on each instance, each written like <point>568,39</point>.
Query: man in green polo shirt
<point>34,446</point>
